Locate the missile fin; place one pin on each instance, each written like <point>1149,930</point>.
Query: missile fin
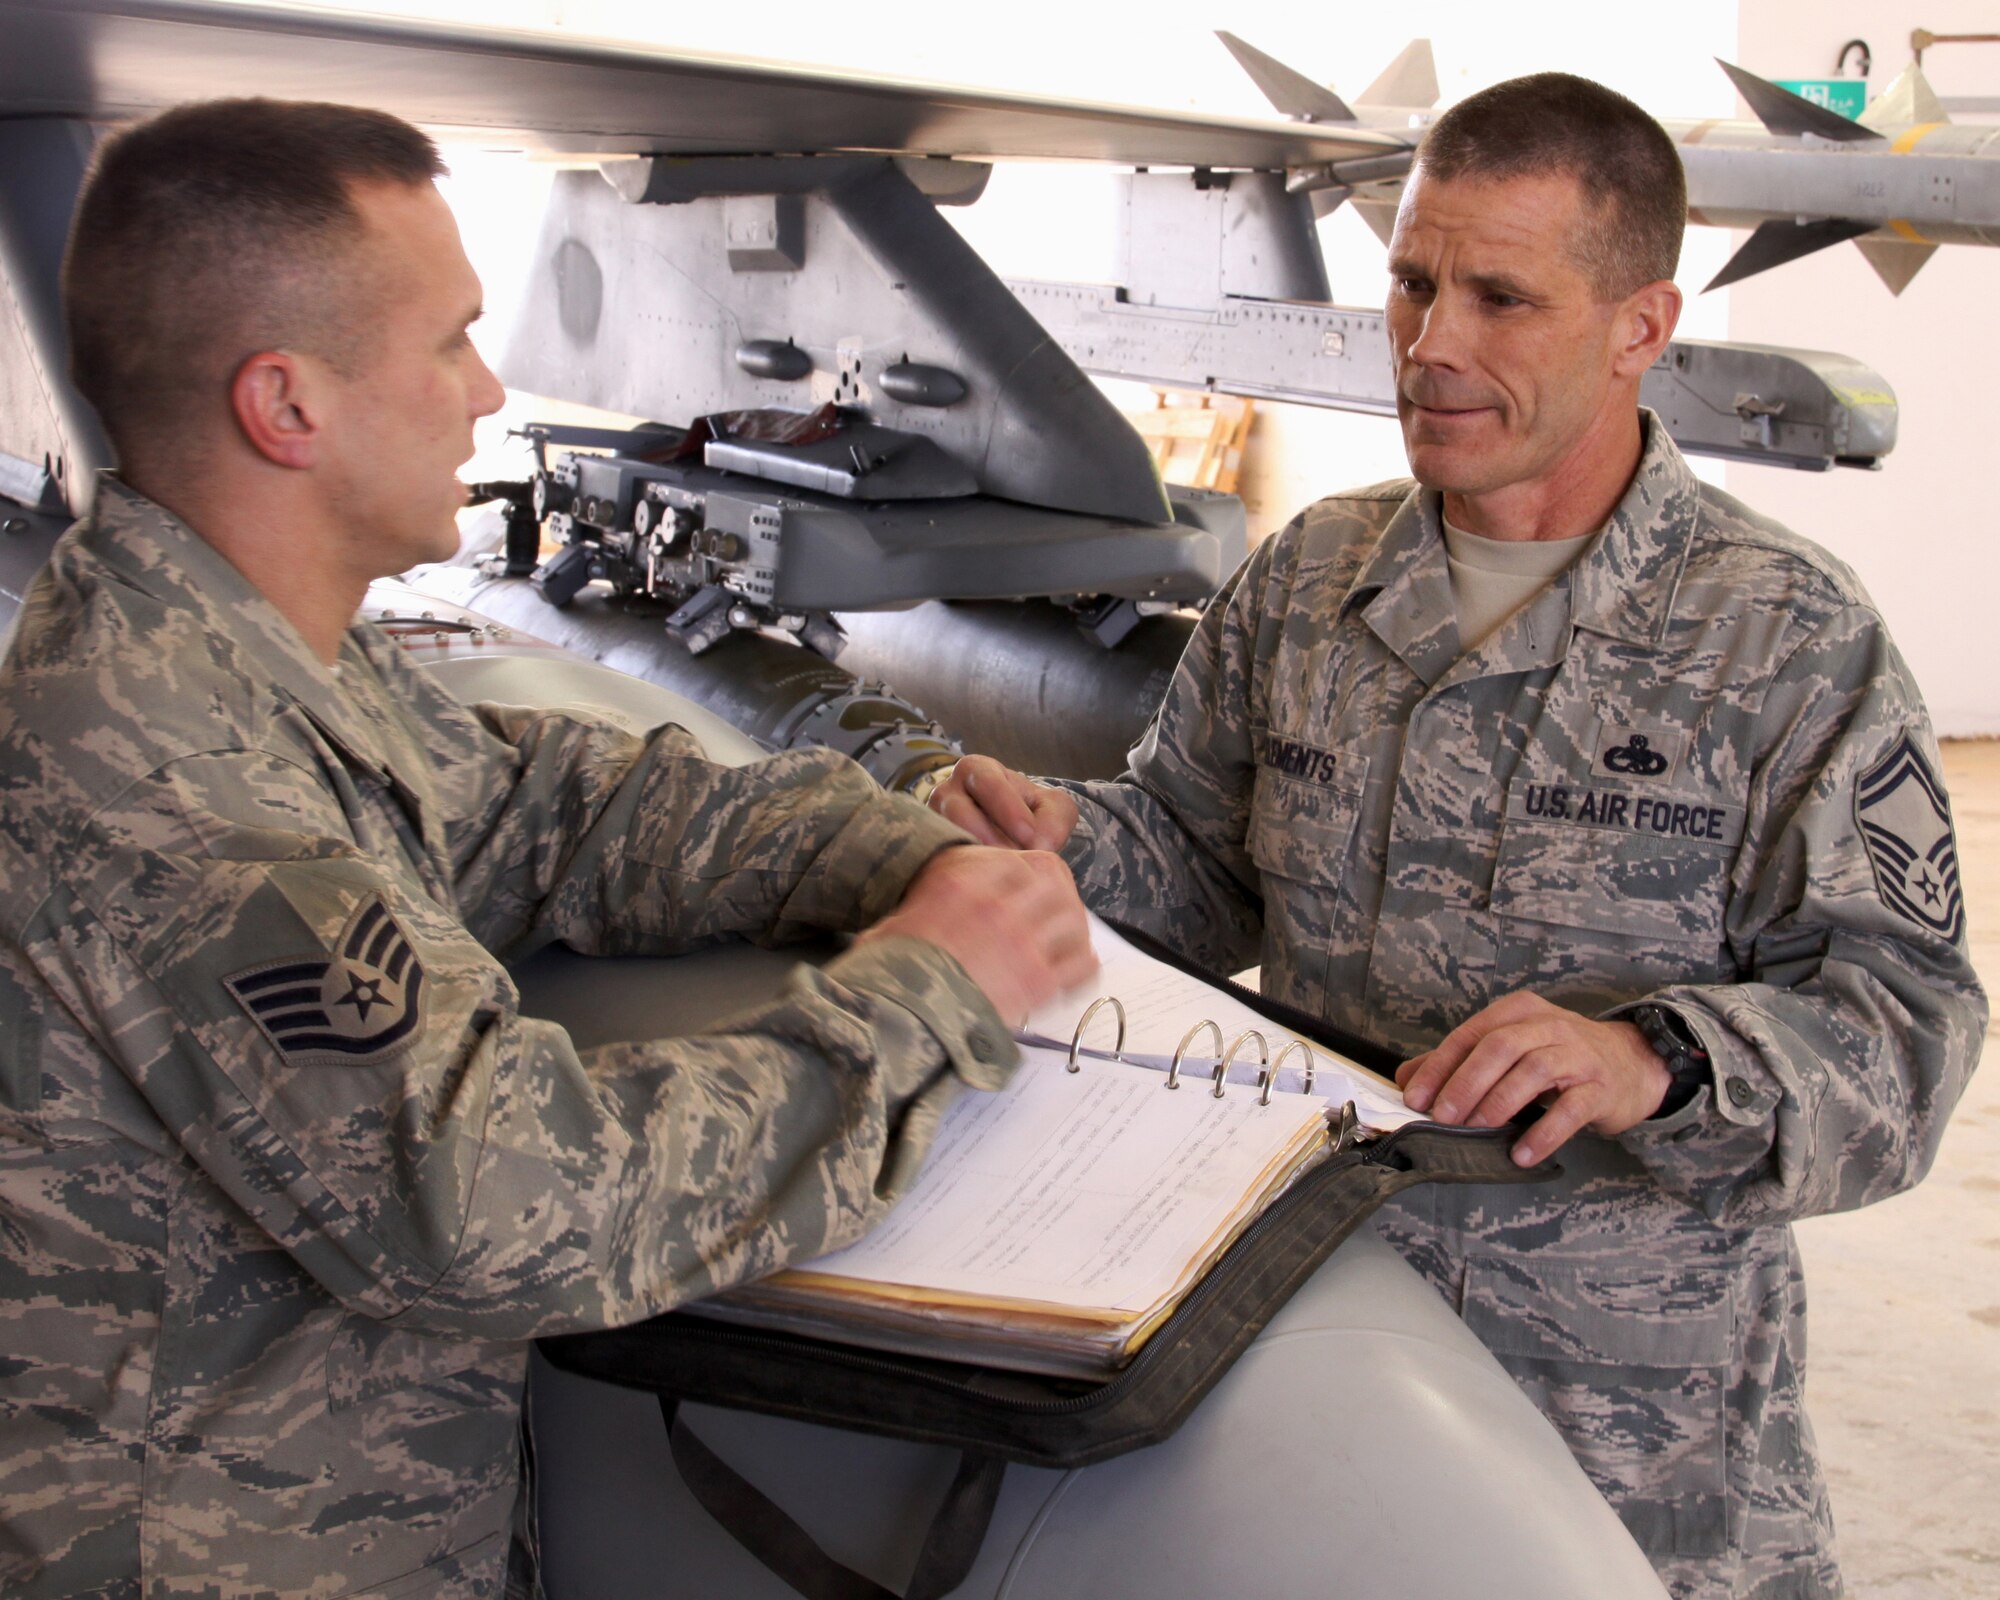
<point>1778,241</point>
<point>1410,80</point>
<point>1896,261</point>
<point>1788,116</point>
<point>1905,103</point>
<point>1292,93</point>
<point>1380,215</point>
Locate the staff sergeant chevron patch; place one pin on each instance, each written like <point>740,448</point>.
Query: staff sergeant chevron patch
<point>362,1005</point>
<point>1905,823</point>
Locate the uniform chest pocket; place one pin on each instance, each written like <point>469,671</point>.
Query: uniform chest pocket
<point>1606,880</point>
<point>1300,830</point>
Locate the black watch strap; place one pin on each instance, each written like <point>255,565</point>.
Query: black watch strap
<point>1677,1045</point>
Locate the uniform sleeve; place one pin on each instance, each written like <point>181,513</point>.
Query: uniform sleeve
<point>347,1061</point>
<point>1839,1057</point>
<point>560,826</point>
<point>1162,847</point>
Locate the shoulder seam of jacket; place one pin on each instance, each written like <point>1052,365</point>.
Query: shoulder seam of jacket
<point>1807,632</point>
<point>88,818</point>
<point>1368,494</point>
<point>1795,549</point>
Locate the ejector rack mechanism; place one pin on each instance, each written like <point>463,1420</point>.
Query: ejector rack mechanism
<point>774,520</point>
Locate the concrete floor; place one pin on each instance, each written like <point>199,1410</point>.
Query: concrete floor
<point>1903,1381</point>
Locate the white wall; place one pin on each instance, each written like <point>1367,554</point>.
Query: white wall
<point>1920,532</point>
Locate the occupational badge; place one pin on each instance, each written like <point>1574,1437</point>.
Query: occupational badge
<point>363,1004</point>
<point>1628,752</point>
<point>1905,823</point>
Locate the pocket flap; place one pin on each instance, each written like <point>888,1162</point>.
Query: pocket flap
<point>1300,830</point>
<point>1579,877</point>
<point>1663,1316</point>
<point>368,1359</point>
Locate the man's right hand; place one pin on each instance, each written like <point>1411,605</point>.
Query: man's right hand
<point>1000,807</point>
<point>1010,918</point>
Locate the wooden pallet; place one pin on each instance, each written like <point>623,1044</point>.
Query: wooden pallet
<point>1196,439</point>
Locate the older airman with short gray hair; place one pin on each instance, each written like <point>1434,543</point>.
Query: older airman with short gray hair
<point>1592,791</point>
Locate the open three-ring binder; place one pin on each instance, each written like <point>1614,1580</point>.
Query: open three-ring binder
<point>1059,1222</point>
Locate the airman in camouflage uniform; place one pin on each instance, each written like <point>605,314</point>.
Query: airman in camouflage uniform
<point>1693,771</point>
<point>1403,835</point>
<point>287,1182</point>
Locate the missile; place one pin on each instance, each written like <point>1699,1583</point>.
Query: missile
<point>1400,102</point>
<point>1899,181</point>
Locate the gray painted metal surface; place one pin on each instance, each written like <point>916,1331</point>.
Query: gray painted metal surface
<point>637,307</point>
<point>1365,1446</point>
<point>1018,681</point>
<point>516,672</point>
<point>113,58</point>
<point>1944,185</point>
<point>1022,683</point>
<point>1189,240</point>
<point>1899,181</point>
<point>1807,409</point>
<point>1798,408</point>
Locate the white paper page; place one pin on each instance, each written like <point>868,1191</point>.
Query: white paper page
<point>1162,1003</point>
<point>1093,1188</point>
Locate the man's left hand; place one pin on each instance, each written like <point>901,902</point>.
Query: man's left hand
<point>1602,1076</point>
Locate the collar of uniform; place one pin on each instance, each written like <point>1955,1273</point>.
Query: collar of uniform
<point>160,554</point>
<point>1405,587</point>
<point>1624,585</point>
<point>1535,636</point>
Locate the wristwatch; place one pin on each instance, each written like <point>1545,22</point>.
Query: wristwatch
<point>1675,1043</point>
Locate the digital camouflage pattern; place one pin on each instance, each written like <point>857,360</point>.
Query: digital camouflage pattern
<point>1658,779</point>
<point>268,1270</point>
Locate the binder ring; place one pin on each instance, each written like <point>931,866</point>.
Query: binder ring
<point>1229,1055</point>
<point>1265,1080</point>
<point>1349,1132</point>
<point>1180,1054</point>
<point>1082,1022</point>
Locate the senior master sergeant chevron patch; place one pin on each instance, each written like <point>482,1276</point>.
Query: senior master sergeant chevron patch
<point>1905,823</point>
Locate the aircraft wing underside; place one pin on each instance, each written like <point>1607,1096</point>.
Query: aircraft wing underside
<point>117,58</point>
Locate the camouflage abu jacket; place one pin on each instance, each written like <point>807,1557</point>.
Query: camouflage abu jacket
<point>1695,769</point>
<point>286,1181</point>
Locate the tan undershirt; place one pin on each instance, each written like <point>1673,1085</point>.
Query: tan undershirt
<point>1491,579</point>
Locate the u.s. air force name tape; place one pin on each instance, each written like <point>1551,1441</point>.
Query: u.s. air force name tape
<point>1695,818</point>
